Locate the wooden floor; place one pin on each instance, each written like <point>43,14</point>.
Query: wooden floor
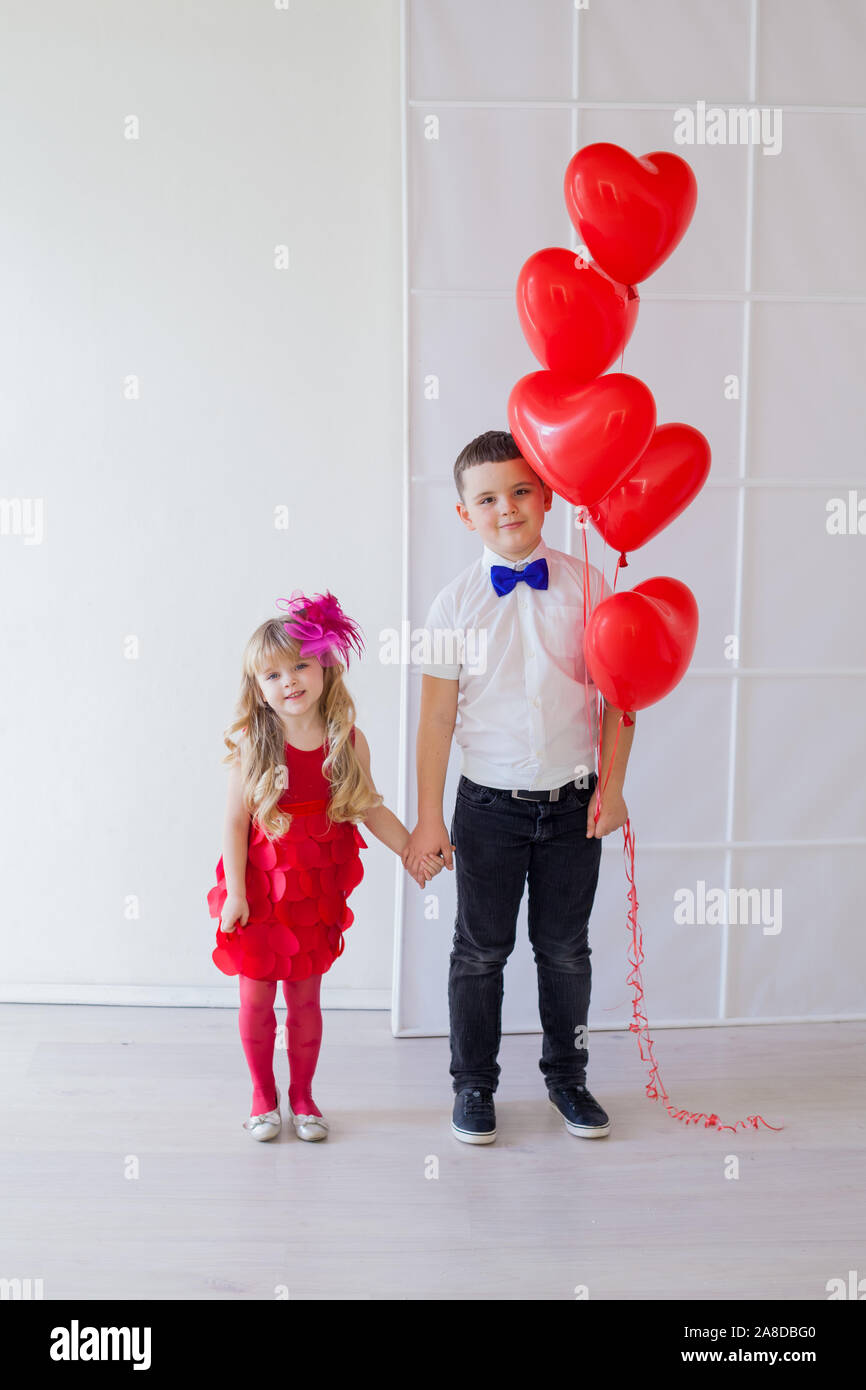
<point>126,1172</point>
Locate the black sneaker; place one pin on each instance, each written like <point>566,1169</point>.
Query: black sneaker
<point>581,1111</point>
<point>474,1118</point>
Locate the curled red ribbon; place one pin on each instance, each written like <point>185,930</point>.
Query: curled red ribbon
<point>639,1025</point>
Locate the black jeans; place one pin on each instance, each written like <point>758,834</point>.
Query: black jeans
<point>500,844</point>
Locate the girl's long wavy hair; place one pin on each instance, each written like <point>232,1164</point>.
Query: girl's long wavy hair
<point>262,752</point>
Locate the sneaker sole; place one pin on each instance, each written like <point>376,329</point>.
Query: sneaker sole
<point>581,1131</point>
<point>468,1136</point>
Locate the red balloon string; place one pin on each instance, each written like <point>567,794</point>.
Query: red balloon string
<point>639,1025</point>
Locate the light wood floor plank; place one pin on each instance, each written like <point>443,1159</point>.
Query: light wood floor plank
<point>647,1212</point>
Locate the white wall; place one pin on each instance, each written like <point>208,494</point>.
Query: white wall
<point>259,387</point>
<point>749,775</point>
<point>153,257</point>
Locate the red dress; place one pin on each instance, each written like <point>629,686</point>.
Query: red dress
<point>296,886</point>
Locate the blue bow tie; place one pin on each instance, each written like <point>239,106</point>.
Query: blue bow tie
<point>504,577</point>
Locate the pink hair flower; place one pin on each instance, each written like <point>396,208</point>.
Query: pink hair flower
<point>321,627</point>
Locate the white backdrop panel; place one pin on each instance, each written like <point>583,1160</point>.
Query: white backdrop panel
<point>737,779</point>
<point>630,51</point>
<point>812,54</point>
<point>808,408</point>
<point>809,206</point>
<point>811,957</point>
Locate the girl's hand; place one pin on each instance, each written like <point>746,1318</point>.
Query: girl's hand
<point>428,841</point>
<point>433,864</point>
<point>428,866</point>
<point>235,912</point>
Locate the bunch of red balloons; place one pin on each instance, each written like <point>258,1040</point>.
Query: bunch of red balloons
<point>593,437</point>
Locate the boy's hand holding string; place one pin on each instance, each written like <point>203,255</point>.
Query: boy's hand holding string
<point>614,811</point>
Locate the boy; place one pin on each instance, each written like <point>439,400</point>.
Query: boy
<point>526,799</point>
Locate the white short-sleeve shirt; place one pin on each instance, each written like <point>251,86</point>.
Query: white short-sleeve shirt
<point>518,657</point>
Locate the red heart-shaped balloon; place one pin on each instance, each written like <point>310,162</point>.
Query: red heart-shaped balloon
<point>581,438</point>
<point>638,644</point>
<point>574,317</point>
<point>631,212</point>
<point>668,475</point>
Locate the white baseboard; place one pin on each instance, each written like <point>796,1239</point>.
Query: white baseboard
<point>176,996</point>
<point>226,997</point>
<point>623,1025</point>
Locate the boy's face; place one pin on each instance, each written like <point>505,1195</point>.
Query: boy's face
<point>505,503</point>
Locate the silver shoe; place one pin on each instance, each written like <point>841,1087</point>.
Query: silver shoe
<point>310,1127</point>
<point>266,1125</point>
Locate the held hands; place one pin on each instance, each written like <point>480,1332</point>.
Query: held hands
<point>428,866</point>
<point>614,813</point>
<point>427,851</point>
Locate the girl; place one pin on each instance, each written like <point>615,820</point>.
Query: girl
<point>299,779</point>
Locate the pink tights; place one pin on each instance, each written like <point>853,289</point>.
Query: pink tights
<point>258,1026</point>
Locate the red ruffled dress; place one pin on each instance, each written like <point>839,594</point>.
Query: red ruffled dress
<point>296,886</point>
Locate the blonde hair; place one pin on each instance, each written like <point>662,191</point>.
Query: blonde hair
<point>262,751</point>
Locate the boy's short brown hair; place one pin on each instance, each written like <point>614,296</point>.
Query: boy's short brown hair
<point>494,446</point>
